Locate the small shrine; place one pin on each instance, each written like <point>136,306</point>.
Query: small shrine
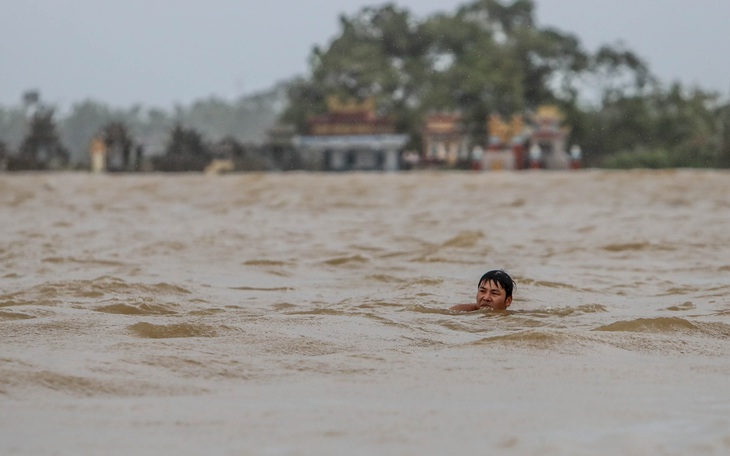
<point>445,139</point>
<point>538,142</point>
<point>548,139</point>
<point>505,144</point>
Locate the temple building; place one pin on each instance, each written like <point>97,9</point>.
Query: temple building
<point>548,140</point>
<point>351,136</point>
<point>506,143</point>
<point>540,142</point>
<point>444,140</point>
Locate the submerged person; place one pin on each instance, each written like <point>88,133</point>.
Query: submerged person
<point>494,291</point>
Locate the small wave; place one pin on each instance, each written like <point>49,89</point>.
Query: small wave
<point>339,261</point>
<point>566,311</point>
<point>179,330</point>
<point>164,288</point>
<point>421,282</point>
<point>31,301</point>
<point>684,306</point>
<point>545,283</point>
<point>261,289</point>
<point>377,304</point>
<point>459,325</point>
<point>161,248</point>
<point>679,291</point>
<point>24,377</point>
<point>636,246</point>
<point>204,312</point>
<point>136,309</point>
<point>320,311</point>
<point>651,325</point>
<point>9,301</point>
<point>56,292</point>
<point>210,367</point>
<point>283,306</point>
<point>85,261</point>
<point>385,278</point>
<point>14,316</point>
<point>267,263</point>
<point>59,382</point>
<point>465,240</point>
<point>421,308</point>
<point>526,339</point>
<point>442,259</point>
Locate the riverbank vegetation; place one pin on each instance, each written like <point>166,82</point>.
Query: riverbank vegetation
<point>487,57</point>
<point>492,57</point>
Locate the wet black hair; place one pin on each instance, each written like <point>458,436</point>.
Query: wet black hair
<point>500,277</point>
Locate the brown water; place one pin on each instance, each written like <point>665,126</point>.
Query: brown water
<point>288,314</point>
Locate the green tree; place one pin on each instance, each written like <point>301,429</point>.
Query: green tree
<point>245,119</point>
<point>185,151</point>
<point>664,128</point>
<point>185,142</point>
<point>42,147</point>
<point>119,146</point>
<point>13,126</point>
<point>723,114</point>
<point>4,153</point>
<point>84,121</point>
<point>487,57</point>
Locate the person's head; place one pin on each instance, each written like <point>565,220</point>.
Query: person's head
<point>495,290</point>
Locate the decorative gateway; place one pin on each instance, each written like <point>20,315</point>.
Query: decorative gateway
<point>538,144</point>
<point>445,142</point>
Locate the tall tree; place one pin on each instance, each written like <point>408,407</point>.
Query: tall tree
<point>83,122</point>
<point>487,57</point>
<point>42,147</point>
<point>119,145</point>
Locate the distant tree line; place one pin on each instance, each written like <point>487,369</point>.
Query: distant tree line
<point>491,57</point>
<point>487,57</point>
<point>32,130</point>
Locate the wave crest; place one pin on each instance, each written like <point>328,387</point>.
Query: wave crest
<point>173,331</point>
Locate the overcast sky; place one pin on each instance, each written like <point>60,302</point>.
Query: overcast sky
<point>162,52</point>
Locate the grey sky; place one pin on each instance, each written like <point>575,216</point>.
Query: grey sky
<point>162,52</point>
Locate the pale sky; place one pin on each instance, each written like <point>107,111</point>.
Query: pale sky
<point>162,52</point>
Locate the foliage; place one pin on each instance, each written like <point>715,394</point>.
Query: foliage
<point>41,147</point>
<point>723,114</point>
<point>488,56</point>
<point>13,126</point>
<point>652,158</point>
<point>491,57</point>
<point>485,58</point>
<point>185,151</point>
<point>4,153</point>
<point>120,147</point>
<point>186,141</point>
<point>84,122</point>
<point>246,119</point>
<point>683,125</point>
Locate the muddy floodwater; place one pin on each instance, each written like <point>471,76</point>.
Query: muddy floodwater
<point>307,314</point>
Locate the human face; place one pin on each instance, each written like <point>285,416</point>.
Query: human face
<point>491,294</point>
